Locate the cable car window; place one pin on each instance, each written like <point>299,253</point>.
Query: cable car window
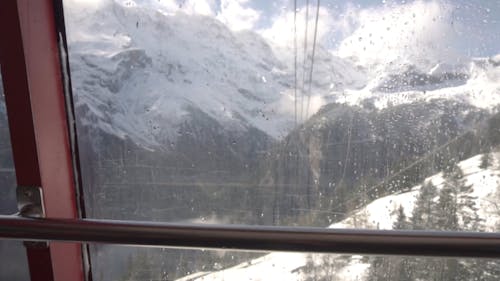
<point>203,265</point>
<point>362,114</point>
<point>7,173</point>
<point>13,263</point>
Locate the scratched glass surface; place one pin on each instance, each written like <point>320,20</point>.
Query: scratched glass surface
<point>346,114</point>
<point>367,114</point>
<point>130,263</point>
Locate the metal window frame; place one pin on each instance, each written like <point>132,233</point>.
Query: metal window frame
<point>36,109</point>
<point>42,147</point>
<point>255,238</point>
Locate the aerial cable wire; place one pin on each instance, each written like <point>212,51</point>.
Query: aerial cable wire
<point>297,152</point>
<point>300,165</point>
<point>304,63</point>
<point>312,59</point>
<point>295,51</point>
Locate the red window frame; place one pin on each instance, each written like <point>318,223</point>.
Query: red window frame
<point>36,108</point>
<point>44,156</point>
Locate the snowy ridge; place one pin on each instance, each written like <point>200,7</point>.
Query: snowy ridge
<point>476,83</point>
<point>136,70</point>
<point>138,67</point>
<point>379,214</point>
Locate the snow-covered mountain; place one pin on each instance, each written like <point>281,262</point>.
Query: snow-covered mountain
<point>137,69</point>
<point>379,214</point>
<point>476,82</point>
<point>183,104</point>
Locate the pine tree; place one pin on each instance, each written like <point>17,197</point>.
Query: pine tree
<point>466,205</point>
<point>486,160</point>
<point>456,203</point>
<point>424,217</point>
<point>401,221</point>
<point>424,213</point>
<point>493,129</point>
<point>447,218</point>
<point>402,268</point>
<point>393,268</point>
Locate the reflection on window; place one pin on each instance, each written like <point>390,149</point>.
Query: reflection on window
<point>13,263</point>
<point>366,114</point>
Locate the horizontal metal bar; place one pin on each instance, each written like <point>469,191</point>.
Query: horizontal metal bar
<point>262,238</point>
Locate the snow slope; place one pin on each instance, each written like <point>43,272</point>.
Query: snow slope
<point>379,214</point>
<point>476,82</point>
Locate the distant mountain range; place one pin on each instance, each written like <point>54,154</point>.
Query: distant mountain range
<point>137,73</point>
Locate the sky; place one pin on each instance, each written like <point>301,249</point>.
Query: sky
<point>472,26</point>
<point>366,29</point>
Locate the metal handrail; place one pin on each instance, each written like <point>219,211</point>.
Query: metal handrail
<point>261,238</point>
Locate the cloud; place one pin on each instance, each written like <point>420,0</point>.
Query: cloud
<point>420,32</point>
<point>415,31</point>
<point>237,15</point>
<point>281,32</point>
<point>203,7</point>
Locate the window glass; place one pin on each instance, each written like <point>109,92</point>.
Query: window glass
<point>13,263</point>
<point>7,174</point>
<point>349,114</point>
<point>254,112</point>
<point>188,265</point>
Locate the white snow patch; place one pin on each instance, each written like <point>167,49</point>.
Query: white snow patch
<point>381,214</point>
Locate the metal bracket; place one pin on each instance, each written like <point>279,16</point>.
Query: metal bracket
<point>30,205</point>
<point>29,202</point>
